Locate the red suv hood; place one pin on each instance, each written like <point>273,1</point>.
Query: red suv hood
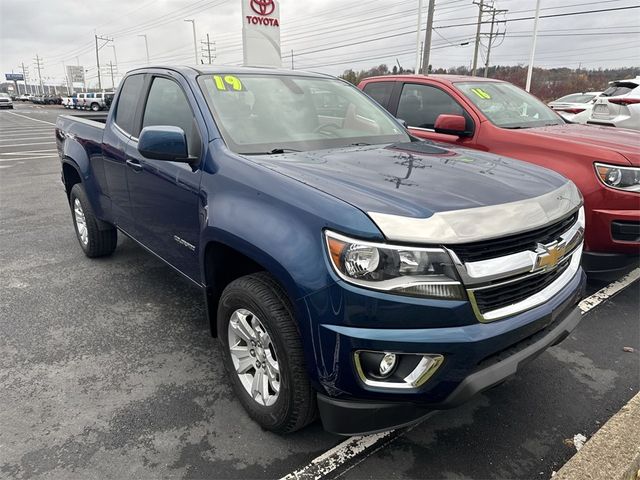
<point>625,142</point>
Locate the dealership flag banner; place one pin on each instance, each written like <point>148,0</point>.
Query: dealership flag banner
<point>261,33</point>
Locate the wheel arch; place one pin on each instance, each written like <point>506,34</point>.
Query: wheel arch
<point>223,263</point>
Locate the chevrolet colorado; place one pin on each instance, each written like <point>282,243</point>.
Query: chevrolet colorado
<point>349,269</point>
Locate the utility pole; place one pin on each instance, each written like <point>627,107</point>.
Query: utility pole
<point>105,40</point>
<point>115,57</point>
<point>418,48</point>
<point>113,82</point>
<point>38,61</point>
<point>533,46</point>
<point>195,41</point>
<point>98,63</point>
<point>491,35</point>
<point>206,50</point>
<point>477,46</point>
<point>146,45</point>
<point>427,38</point>
<point>66,78</point>
<point>24,76</point>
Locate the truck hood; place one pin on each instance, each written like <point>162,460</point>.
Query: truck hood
<point>416,179</point>
<point>620,140</point>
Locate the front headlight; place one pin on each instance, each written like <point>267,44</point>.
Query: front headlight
<point>621,178</point>
<point>418,272</point>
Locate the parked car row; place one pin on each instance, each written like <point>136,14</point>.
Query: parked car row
<point>47,99</point>
<point>618,106</point>
<point>89,101</point>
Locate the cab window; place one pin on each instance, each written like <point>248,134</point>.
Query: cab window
<point>420,105</point>
<point>168,105</point>
<point>128,103</point>
<point>380,92</point>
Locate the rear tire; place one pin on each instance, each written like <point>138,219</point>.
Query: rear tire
<point>265,310</point>
<point>93,241</point>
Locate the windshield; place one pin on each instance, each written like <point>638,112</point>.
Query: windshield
<point>617,89</point>
<point>505,105</point>
<point>264,113</point>
<point>577,98</point>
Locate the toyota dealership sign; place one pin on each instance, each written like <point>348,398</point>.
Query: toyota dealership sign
<point>261,33</point>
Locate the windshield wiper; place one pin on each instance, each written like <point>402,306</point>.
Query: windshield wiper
<point>359,144</point>
<point>283,150</point>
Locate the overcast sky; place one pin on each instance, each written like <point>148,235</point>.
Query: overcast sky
<point>317,31</point>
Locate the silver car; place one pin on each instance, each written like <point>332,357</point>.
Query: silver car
<point>5,101</point>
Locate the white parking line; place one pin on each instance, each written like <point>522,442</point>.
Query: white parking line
<point>49,142</point>
<point>24,130</point>
<point>367,445</point>
<point>26,138</point>
<point>21,159</point>
<point>48,150</point>
<point>29,118</point>
<point>609,291</point>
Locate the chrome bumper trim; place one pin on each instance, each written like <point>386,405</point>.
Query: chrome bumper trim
<point>481,223</point>
<point>427,366</point>
<point>534,300</point>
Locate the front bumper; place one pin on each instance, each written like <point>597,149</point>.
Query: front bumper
<point>476,355</point>
<point>610,247</point>
<point>351,417</point>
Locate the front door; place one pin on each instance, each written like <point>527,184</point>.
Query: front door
<point>164,194</point>
<point>420,105</point>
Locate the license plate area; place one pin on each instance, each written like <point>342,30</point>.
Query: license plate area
<point>601,108</point>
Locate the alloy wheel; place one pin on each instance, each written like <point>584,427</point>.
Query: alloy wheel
<point>254,357</point>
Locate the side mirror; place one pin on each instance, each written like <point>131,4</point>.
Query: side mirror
<point>451,125</point>
<point>163,143</point>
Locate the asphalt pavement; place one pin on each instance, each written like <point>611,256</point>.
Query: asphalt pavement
<point>107,369</point>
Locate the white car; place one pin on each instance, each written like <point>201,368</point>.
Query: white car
<point>575,108</point>
<point>5,101</point>
<point>619,105</point>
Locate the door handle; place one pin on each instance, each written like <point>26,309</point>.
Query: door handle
<point>134,164</point>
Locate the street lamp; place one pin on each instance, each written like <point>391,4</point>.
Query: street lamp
<point>146,45</point>
<point>195,41</point>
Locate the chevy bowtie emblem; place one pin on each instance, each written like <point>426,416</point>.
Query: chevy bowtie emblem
<point>551,256</point>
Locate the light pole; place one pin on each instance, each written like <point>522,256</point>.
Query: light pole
<point>146,45</point>
<point>533,46</point>
<point>418,45</point>
<point>195,41</point>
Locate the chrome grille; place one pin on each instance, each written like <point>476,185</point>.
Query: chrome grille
<point>499,247</point>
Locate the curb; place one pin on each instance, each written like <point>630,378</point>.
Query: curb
<point>613,453</point>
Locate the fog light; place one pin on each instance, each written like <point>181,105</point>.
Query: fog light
<point>387,364</point>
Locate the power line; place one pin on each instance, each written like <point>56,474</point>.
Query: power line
<point>584,12</point>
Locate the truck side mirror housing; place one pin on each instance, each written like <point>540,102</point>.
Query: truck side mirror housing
<point>451,125</point>
<point>163,142</point>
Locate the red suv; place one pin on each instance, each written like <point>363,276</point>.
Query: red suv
<point>498,117</point>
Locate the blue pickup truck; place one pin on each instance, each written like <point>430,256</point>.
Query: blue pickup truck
<point>349,270</point>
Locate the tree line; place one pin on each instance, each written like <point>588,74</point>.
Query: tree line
<point>548,83</point>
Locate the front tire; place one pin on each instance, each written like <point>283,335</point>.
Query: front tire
<point>95,107</point>
<point>263,354</point>
<point>95,242</point>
